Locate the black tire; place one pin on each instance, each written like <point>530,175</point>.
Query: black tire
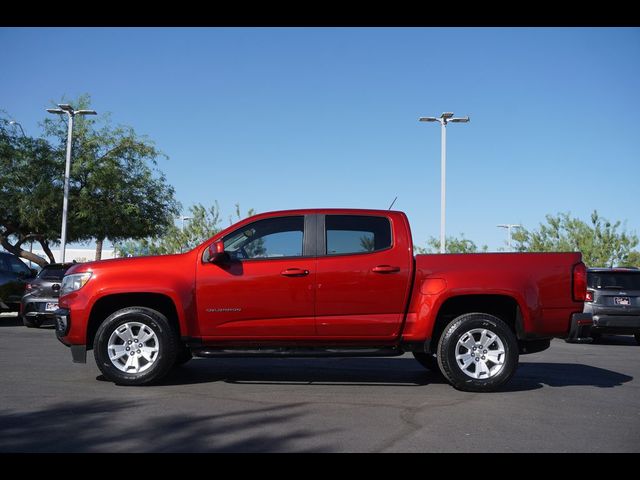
<point>637,337</point>
<point>166,342</point>
<point>462,326</point>
<point>428,361</point>
<point>183,356</point>
<point>33,322</point>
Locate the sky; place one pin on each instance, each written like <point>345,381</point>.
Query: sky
<point>281,118</point>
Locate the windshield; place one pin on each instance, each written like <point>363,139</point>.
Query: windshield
<point>53,272</point>
<point>11,263</point>
<point>614,280</point>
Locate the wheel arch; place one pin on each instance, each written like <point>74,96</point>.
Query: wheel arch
<point>504,307</point>
<point>109,304</point>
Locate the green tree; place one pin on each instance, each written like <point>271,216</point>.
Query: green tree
<point>452,245</point>
<point>30,193</point>
<point>116,191</point>
<point>632,260</point>
<point>203,224</point>
<point>601,242</point>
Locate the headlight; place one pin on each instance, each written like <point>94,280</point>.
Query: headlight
<point>71,283</point>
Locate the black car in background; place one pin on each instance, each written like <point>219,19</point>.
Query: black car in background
<point>14,276</point>
<point>41,297</point>
<point>613,297</point>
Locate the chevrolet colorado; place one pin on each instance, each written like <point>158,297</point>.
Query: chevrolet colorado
<point>322,282</point>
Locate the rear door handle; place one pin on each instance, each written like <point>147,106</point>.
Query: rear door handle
<point>294,272</point>
<point>385,269</point>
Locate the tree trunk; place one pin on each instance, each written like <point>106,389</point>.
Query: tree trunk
<point>22,253</point>
<point>99,248</point>
<point>45,246</point>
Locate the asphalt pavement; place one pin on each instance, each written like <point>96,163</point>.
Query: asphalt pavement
<point>569,398</point>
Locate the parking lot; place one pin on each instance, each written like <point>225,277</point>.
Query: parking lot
<point>570,398</point>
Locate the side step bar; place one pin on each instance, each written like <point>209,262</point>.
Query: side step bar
<point>297,352</point>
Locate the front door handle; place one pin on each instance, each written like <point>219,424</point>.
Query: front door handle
<point>294,272</point>
<point>385,269</point>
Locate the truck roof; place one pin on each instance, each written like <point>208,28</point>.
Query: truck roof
<point>334,211</point>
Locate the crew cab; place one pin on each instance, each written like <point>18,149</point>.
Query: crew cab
<point>322,282</point>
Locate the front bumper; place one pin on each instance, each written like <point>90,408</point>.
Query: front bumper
<point>62,318</point>
<point>580,330</point>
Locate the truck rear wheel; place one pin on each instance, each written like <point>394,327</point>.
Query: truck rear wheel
<point>135,346</point>
<point>477,352</point>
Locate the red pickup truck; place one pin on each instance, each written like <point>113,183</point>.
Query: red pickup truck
<point>322,282</point>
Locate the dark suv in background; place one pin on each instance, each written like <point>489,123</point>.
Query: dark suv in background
<point>41,298</point>
<point>14,276</point>
<point>613,297</point>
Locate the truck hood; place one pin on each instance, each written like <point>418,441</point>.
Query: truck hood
<point>132,263</point>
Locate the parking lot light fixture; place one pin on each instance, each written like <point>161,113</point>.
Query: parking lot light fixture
<point>71,113</point>
<point>445,118</point>
<point>13,122</point>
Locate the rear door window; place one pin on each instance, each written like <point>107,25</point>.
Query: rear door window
<point>347,234</point>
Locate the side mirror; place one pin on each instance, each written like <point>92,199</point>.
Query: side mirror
<point>217,254</point>
<point>34,272</point>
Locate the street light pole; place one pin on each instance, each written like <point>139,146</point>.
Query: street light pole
<point>443,183</point>
<point>509,226</point>
<point>71,113</point>
<point>183,219</point>
<point>444,119</point>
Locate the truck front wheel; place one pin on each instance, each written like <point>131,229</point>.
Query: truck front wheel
<point>135,346</point>
<point>477,352</point>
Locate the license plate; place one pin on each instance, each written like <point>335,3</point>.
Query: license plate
<point>621,300</point>
<point>51,307</point>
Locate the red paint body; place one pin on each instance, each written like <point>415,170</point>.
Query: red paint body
<point>380,298</point>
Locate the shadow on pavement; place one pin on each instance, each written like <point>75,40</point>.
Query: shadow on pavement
<point>402,372</point>
<point>296,371</point>
<point>531,376</point>
<point>617,340</point>
<point>117,426</point>
<point>10,320</point>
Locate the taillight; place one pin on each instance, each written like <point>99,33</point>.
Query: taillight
<point>589,296</point>
<point>28,287</point>
<point>579,282</point>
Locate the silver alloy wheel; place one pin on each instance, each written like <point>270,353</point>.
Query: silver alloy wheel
<point>133,347</point>
<point>480,353</point>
